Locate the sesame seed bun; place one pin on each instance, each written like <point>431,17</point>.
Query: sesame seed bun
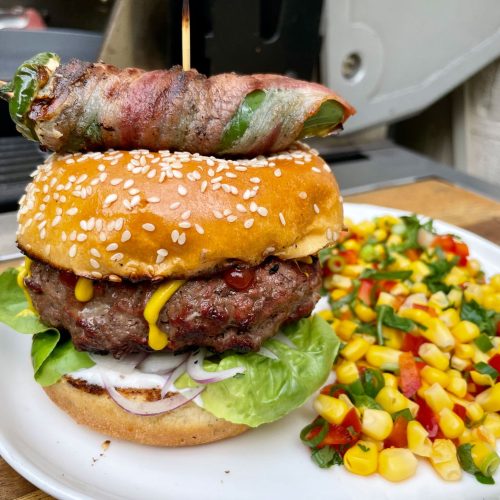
<point>187,425</point>
<point>150,215</point>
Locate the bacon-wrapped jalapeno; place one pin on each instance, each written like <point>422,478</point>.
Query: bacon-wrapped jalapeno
<point>81,106</point>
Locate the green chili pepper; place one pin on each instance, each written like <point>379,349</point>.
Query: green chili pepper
<point>241,120</point>
<point>27,81</point>
<point>314,441</point>
<point>324,121</point>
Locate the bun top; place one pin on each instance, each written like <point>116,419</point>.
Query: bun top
<point>150,215</point>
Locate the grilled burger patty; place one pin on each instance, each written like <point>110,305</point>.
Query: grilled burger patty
<point>235,309</point>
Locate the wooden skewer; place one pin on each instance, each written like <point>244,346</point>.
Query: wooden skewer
<point>186,37</point>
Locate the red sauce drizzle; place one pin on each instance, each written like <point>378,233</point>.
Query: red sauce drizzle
<point>239,279</point>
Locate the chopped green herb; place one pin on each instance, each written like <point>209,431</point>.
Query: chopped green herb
<point>405,412</point>
<point>390,318</point>
<point>483,342</point>
<point>373,381</point>
<point>364,448</point>
<point>326,457</point>
<point>385,275</point>
<point>483,318</point>
<point>486,369</point>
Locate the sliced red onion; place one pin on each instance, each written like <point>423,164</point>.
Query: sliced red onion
<point>169,385</point>
<point>150,408</point>
<point>425,238</point>
<point>281,337</point>
<point>198,374</point>
<point>267,353</point>
<point>162,363</point>
<point>125,365</point>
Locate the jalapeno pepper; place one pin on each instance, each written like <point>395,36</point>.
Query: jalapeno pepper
<point>29,78</point>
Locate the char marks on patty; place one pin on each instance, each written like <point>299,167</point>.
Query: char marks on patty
<point>203,312</point>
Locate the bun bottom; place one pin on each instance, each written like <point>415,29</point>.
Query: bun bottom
<point>186,426</point>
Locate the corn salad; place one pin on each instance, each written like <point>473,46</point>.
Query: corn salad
<point>418,369</point>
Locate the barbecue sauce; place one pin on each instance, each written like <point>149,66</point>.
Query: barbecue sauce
<point>239,279</point>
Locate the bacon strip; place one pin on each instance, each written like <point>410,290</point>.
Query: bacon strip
<point>87,106</point>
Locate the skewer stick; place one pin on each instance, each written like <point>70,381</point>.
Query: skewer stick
<point>186,37</point>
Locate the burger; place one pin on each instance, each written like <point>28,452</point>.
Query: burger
<point>169,293</point>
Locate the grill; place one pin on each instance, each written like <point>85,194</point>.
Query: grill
<point>18,158</point>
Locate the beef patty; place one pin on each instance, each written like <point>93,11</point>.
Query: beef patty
<point>236,309</point>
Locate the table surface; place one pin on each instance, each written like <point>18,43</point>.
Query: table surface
<point>433,198</point>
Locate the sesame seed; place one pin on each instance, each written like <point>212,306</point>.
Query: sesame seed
<point>126,235</point>
<point>56,220</point>
<point>148,227</point>
<point>112,247</point>
<point>316,208</point>
<point>118,223</point>
<point>316,169</point>
<point>95,252</point>
<point>72,251</point>
<point>199,229</point>
<point>216,179</point>
<point>81,237</point>
<point>175,235</point>
<point>231,175</point>
<point>217,214</point>
<point>303,195</point>
<point>153,199</point>
<point>135,200</point>
<point>329,234</point>
<point>117,257</point>
<point>277,172</point>
<point>72,235</point>
<point>232,218</point>
<point>83,225</point>
<point>182,190</point>
<point>282,218</point>
<point>262,211</point>
<point>43,233</point>
<point>111,198</point>
<point>185,215</point>
<point>255,180</point>
<point>248,223</point>
<point>241,208</point>
<point>133,191</point>
<point>175,205</point>
<point>128,184</point>
<point>185,224</point>
<point>115,182</point>
<point>203,187</point>
<point>162,251</point>
<point>182,239</point>
<point>226,212</point>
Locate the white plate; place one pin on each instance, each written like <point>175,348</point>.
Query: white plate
<point>64,459</point>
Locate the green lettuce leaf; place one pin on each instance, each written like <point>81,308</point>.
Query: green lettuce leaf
<point>269,389</point>
<point>52,355</point>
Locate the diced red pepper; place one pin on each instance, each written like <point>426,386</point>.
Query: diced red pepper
<point>365,291</point>
<point>412,343</point>
<point>350,256</point>
<point>409,376</point>
<point>446,242</point>
<point>335,394</point>
<point>420,365</point>
<point>336,435</point>
<point>352,420</point>
<point>429,310</point>
<point>494,362</point>
<point>413,254</point>
<point>398,437</point>
<point>427,417</point>
<point>462,250</point>
<point>386,286</point>
<point>460,411</point>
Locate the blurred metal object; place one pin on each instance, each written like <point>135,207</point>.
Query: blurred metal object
<point>392,58</point>
<point>136,34</point>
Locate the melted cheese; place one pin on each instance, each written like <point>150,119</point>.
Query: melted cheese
<point>25,272</point>
<point>84,290</point>
<point>157,339</point>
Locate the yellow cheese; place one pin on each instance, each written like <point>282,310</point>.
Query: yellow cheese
<point>25,272</point>
<point>157,339</point>
<point>84,289</point>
